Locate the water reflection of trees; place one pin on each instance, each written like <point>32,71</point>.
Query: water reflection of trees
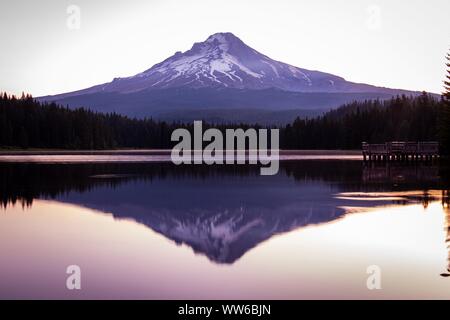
<point>272,204</point>
<point>446,207</point>
<point>23,182</point>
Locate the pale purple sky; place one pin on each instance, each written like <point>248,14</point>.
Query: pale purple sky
<point>392,43</point>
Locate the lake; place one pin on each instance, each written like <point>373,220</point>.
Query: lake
<point>143,228</point>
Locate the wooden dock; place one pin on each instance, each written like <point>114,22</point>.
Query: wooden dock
<point>400,151</point>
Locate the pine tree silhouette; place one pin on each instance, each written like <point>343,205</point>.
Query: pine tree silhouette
<point>444,128</point>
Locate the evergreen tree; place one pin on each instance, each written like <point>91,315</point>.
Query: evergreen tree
<point>444,127</point>
<point>27,123</point>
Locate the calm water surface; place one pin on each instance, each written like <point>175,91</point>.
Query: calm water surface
<point>154,230</point>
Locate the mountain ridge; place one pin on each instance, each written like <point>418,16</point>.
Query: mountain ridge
<point>221,72</point>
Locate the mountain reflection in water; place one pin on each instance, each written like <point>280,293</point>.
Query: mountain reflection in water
<point>222,212</point>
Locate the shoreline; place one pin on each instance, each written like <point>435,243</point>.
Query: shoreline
<point>142,152</point>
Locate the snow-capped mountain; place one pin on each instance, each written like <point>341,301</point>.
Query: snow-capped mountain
<point>223,73</point>
<point>223,60</point>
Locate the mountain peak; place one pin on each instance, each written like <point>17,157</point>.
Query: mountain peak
<point>218,74</point>
<point>222,37</point>
<point>225,61</point>
<point>218,43</point>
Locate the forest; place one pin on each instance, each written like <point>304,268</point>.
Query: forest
<point>401,118</point>
<point>27,123</point>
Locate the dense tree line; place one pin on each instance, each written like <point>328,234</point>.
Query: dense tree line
<point>401,118</point>
<point>27,123</point>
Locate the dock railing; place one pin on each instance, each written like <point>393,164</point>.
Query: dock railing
<point>400,150</point>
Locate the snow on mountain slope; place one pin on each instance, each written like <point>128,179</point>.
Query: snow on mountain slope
<point>221,75</point>
<point>224,61</point>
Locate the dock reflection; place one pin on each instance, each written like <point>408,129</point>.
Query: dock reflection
<point>400,173</point>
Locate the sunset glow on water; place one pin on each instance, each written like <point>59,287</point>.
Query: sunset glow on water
<point>257,238</point>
